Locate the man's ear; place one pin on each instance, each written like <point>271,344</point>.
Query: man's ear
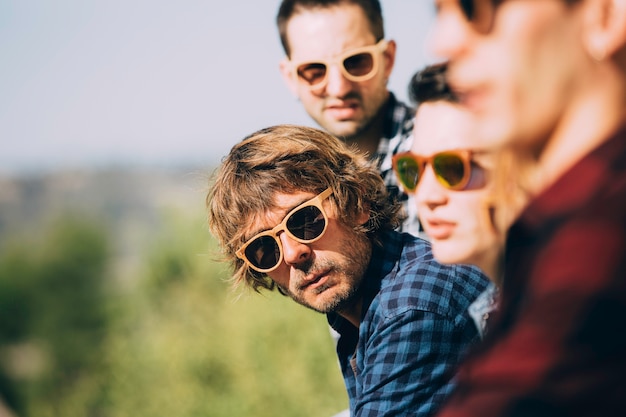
<point>364,216</point>
<point>287,74</point>
<point>605,27</point>
<point>389,58</point>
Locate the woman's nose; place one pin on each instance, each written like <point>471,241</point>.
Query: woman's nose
<point>429,191</point>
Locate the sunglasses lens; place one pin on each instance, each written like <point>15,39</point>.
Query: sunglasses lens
<point>467,6</point>
<point>359,65</point>
<point>449,169</point>
<point>312,73</point>
<point>263,252</point>
<point>407,169</point>
<point>308,223</point>
<point>480,13</point>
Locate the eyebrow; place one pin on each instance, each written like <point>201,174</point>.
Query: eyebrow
<point>286,212</point>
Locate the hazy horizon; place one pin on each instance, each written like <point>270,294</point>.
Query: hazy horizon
<point>109,83</point>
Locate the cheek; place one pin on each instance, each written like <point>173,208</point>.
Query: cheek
<point>473,214</point>
<point>307,96</point>
<point>373,92</point>
<point>480,232</point>
<point>533,82</point>
<point>506,91</point>
<point>281,275</point>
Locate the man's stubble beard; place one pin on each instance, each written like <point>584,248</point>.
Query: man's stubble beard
<point>363,126</point>
<point>351,271</point>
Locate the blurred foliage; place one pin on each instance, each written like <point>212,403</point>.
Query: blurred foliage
<point>168,338</point>
<point>53,318</point>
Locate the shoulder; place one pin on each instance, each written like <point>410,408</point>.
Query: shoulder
<point>420,282</point>
<point>400,110</point>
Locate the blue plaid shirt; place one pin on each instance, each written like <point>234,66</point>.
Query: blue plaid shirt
<point>414,330</point>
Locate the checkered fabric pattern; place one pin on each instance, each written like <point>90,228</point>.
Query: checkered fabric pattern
<point>557,345</point>
<point>398,137</point>
<point>415,329</point>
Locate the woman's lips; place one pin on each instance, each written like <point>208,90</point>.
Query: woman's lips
<point>439,229</point>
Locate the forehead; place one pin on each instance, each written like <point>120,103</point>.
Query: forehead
<point>440,126</point>
<point>326,32</point>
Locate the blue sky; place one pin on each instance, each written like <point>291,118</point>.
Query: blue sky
<point>93,83</point>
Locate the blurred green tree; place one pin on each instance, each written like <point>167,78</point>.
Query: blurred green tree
<point>198,349</point>
<point>165,338</point>
<point>53,317</point>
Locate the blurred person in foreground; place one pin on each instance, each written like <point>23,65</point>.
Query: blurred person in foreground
<point>454,184</point>
<point>294,209</point>
<point>338,64</point>
<point>547,79</point>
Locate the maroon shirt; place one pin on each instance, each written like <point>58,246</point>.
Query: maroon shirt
<point>558,346</point>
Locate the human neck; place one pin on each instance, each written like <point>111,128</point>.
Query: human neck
<point>353,313</point>
<point>490,265</point>
<point>587,123</point>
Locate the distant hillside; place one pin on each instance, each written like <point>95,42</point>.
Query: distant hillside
<point>129,201</point>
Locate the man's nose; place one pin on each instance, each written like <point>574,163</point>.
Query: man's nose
<point>337,85</point>
<point>294,252</point>
<point>450,34</point>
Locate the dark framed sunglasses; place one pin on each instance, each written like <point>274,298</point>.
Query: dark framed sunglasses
<point>480,13</point>
<point>452,168</point>
<point>356,65</point>
<point>305,224</point>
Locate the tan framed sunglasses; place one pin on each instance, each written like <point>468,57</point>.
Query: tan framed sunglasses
<point>356,65</point>
<point>305,224</point>
<point>452,168</point>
